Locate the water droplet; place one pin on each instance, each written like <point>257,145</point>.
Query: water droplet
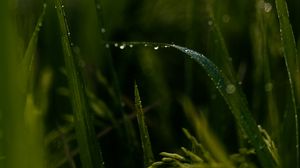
<point>116,44</point>
<point>122,46</point>
<point>146,45</point>
<point>44,5</point>
<point>107,45</point>
<point>210,23</point>
<point>72,44</point>
<point>240,82</point>
<point>69,34</point>
<point>40,24</point>
<point>156,48</point>
<point>62,6</point>
<point>268,87</point>
<point>55,7</point>
<point>103,30</point>
<point>226,18</point>
<point>261,147</point>
<point>130,45</point>
<point>267,7</point>
<point>166,46</point>
<point>230,89</point>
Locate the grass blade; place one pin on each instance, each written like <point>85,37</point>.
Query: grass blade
<point>31,48</point>
<point>145,139</point>
<point>237,104</point>
<point>292,64</point>
<point>90,153</point>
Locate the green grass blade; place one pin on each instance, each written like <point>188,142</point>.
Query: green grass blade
<point>31,48</point>
<point>237,104</point>
<point>145,139</point>
<point>292,64</point>
<point>90,153</point>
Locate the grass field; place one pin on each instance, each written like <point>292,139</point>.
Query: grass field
<point>154,84</point>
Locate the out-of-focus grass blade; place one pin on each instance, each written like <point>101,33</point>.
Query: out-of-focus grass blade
<point>204,133</point>
<point>145,139</point>
<point>292,64</point>
<point>23,133</point>
<point>90,153</point>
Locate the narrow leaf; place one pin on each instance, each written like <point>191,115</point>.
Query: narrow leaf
<point>145,139</point>
<point>90,153</point>
<point>292,64</point>
<point>31,48</point>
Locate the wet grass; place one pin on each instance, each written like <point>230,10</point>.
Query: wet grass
<point>218,80</point>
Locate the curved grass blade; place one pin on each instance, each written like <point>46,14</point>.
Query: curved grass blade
<point>237,104</point>
<point>90,154</point>
<point>292,64</point>
<point>145,139</point>
<point>231,93</point>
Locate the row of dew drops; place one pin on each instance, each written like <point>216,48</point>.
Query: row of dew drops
<point>230,88</point>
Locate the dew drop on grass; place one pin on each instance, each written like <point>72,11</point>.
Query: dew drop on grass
<point>210,22</point>
<point>116,44</point>
<point>55,7</point>
<point>106,45</point>
<point>103,30</point>
<point>62,6</point>
<point>122,46</point>
<point>156,48</point>
<point>69,34</point>
<point>267,7</point>
<point>146,45</point>
<point>240,82</point>
<point>230,89</point>
<point>130,45</point>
